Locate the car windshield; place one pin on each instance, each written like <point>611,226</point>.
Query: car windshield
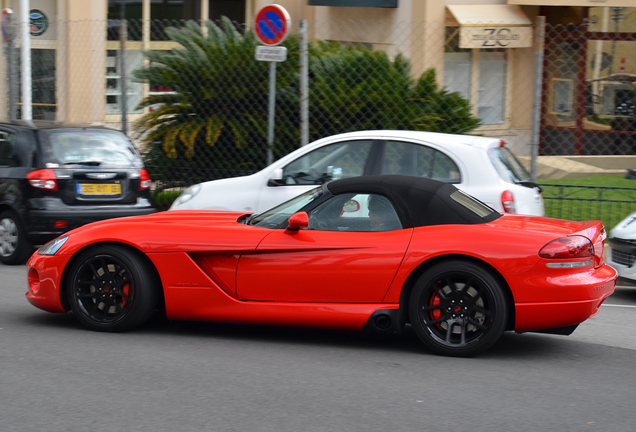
<point>92,147</point>
<point>277,216</point>
<point>508,166</point>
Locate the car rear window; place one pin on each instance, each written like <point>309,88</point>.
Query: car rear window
<point>92,147</point>
<point>474,205</point>
<point>507,165</point>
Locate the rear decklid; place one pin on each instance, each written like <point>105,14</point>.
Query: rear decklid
<point>593,230</point>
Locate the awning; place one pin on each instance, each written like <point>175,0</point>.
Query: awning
<point>492,26</point>
<point>588,3</point>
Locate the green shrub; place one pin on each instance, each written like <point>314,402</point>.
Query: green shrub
<point>162,200</point>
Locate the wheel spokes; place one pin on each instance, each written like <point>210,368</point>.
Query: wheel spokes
<point>103,289</point>
<point>104,266</point>
<point>436,321</point>
<point>449,331</point>
<point>460,314</point>
<point>477,324</point>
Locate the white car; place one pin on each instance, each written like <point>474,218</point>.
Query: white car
<point>482,167</point>
<point>621,248</point>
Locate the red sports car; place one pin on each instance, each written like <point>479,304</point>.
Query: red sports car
<point>371,253</point>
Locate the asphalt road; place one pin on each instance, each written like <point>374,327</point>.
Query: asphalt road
<point>169,376</point>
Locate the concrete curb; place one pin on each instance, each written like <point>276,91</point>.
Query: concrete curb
<point>560,167</point>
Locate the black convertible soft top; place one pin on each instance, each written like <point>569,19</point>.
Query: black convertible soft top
<point>418,201</point>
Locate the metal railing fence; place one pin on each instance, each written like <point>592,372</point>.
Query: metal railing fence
<point>579,203</point>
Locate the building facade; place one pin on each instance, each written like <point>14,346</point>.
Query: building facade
<point>484,49</point>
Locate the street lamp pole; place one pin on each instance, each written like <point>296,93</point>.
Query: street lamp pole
<point>123,35</point>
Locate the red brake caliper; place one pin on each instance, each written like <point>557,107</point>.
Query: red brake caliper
<point>435,313</point>
<point>126,290</point>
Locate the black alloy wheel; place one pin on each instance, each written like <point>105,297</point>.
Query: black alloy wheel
<point>458,308</point>
<point>112,288</point>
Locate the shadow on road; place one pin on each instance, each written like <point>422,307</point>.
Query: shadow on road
<point>511,345</point>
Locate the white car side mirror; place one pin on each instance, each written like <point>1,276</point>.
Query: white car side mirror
<point>276,179</point>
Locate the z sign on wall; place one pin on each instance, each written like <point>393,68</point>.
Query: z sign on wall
<point>495,37</point>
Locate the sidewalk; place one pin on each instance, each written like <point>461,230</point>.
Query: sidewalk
<point>560,167</point>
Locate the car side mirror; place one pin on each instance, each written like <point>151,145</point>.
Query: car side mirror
<point>276,179</point>
<point>297,221</point>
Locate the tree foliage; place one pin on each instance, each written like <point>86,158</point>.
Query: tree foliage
<point>354,88</point>
<point>216,84</point>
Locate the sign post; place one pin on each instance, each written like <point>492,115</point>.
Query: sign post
<point>271,26</point>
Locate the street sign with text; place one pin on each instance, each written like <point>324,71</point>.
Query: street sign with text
<point>271,53</point>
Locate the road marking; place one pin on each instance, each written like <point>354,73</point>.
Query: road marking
<point>615,305</point>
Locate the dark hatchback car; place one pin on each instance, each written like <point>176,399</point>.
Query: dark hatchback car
<point>56,177</point>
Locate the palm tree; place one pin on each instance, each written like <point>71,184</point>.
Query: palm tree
<point>216,86</point>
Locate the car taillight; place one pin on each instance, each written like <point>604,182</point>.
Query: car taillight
<point>43,179</point>
<point>508,202</point>
<point>568,247</point>
<point>144,179</point>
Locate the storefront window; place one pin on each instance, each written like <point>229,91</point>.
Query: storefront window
<point>171,13</point>
<point>486,68</point>
<point>43,102</point>
<point>492,86</point>
<point>134,90</point>
<point>457,72</point>
<point>132,14</point>
<point>233,9</point>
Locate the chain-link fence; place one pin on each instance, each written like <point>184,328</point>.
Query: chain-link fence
<point>196,100</point>
<point>589,92</point>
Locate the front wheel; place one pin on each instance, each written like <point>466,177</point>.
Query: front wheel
<point>112,288</point>
<point>458,308</point>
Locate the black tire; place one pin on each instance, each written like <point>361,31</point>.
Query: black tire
<point>15,247</point>
<point>458,308</point>
<point>112,288</point>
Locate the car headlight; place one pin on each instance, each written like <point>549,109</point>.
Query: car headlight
<point>187,195</point>
<point>53,246</point>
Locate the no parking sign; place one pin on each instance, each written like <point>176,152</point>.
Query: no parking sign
<point>272,24</point>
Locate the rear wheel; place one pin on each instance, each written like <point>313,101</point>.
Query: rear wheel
<point>15,247</point>
<point>112,288</point>
<point>458,308</point>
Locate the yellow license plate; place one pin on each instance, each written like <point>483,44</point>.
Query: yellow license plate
<point>99,189</point>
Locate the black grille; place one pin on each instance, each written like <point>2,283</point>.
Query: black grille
<point>626,259</point>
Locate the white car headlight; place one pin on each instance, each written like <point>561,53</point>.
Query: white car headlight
<point>187,195</point>
<point>53,246</point>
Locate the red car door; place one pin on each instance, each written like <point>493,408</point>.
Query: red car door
<point>322,266</point>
